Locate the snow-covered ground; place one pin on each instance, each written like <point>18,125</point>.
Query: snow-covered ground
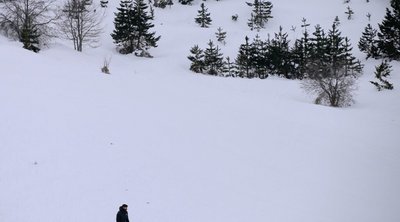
<point>182,147</point>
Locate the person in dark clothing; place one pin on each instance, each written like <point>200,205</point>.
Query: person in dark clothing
<point>122,215</point>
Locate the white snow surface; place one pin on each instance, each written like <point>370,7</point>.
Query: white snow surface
<point>177,146</point>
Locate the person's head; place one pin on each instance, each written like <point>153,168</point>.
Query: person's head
<point>124,206</point>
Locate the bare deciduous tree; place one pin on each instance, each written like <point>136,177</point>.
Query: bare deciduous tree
<point>81,23</point>
<point>16,14</point>
<point>335,90</point>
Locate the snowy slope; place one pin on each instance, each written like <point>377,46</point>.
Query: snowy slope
<point>178,146</point>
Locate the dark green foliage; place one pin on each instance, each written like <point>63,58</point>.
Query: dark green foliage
<point>124,32</point>
<point>389,32</point>
<point>186,2</point>
<point>229,68</point>
<point>244,60</point>
<point>221,35</point>
<point>30,37</point>
<point>261,14</point>
<point>301,53</point>
<point>213,59</point>
<point>132,28</point>
<point>104,3</point>
<point>203,17</point>
<point>279,55</point>
<point>382,71</point>
<point>162,3</point>
<point>332,70</point>
<point>349,12</point>
<point>259,57</point>
<point>368,43</point>
<point>209,61</point>
<point>197,59</point>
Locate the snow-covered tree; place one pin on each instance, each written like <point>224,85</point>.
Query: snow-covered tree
<point>213,59</point>
<point>368,42</point>
<point>389,32</point>
<point>186,2</point>
<point>262,11</point>
<point>279,55</point>
<point>197,59</point>
<point>162,3</point>
<point>244,62</point>
<point>349,13</point>
<point>333,70</point>
<point>221,35</point>
<point>81,23</point>
<point>30,36</point>
<point>132,28</point>
<point>301,52</point>
<point>203,17</point>
<point>28,21</point>
<point>103,3</point>
<point>382,71</point>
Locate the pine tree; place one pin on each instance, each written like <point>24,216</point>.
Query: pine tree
<point>229,68</point>
<point>203,17</point>
<point>261,14</point>
<point>197,59</point>
<point>351,65</point>
<point>103,3</point>
<point>124,32</point>
<point>186,2</point>
<point>162,3</point>
<point>301,53</point>
<point>144,38</point>
<point>132,28</point>
<point>368,43</point>
<point>259,56</point>
<point>221,35</point>
<point>383,70</point>
<point>213,59</point>
<point>349,13</point>
<point>389,34</point>
<point>30,37</point>
<point>279,55</point>
<point>333,70</point>
<point>244,61</point>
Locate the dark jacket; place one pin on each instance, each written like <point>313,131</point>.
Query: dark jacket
<point>122,215</point>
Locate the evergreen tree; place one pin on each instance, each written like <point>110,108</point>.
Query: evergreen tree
<point>333,70</point>
<point>259,56</point>
<point>30,36</point>
<point>124,32</point>
<point>389,34</point>
<point>132,28</point>
<point>382,71</point>
<point>301,53</point>
<point>213,59</point>
<point>163,3</point>
<point>261,14</point>
<point>229,68</point>
<point>103,3</point>
<point>221,35</point>
<point>279,55</point>
<point>244,61</point>
<point>186,2</point>
<point>144,38</point>
<point>349,13</point>
<point>197,59</point>
<point>317,65</point>
<point>368,42</point>
<point>203,18</point>
<point>352,66</point>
